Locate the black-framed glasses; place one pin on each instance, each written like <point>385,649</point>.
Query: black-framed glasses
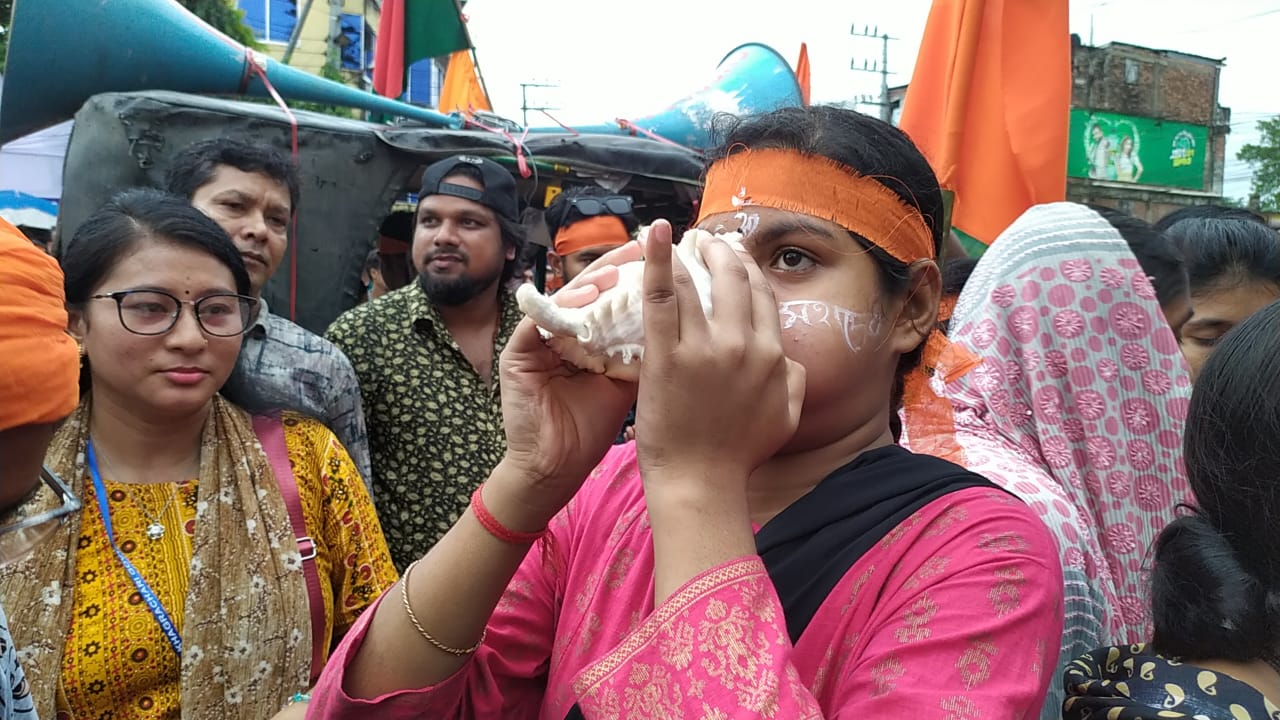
<point>23,529</point>
<point>155,312</point>
<point>613,205</point>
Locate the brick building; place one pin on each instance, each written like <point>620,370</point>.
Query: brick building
<point>1147,133</point>
<point>1150,90</point>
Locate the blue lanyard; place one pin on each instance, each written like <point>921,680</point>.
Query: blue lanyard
<point>148,595</point>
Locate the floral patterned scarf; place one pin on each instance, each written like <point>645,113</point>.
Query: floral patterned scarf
<point>245,651</point>
<point>1078,406</point>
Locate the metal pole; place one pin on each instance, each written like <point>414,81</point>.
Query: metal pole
<point>475,62</point>
<point>297,32</point>
<point>886,110</point>
<point>525,107</point>
<point>881,67</point>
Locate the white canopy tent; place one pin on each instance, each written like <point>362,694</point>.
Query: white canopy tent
<point>33,164</point>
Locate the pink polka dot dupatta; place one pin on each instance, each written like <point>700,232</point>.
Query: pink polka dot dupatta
<point>1078,407</point>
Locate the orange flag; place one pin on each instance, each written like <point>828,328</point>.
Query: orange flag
<point>989,105</point>
<point>802,73</point>
<point>462,90</point>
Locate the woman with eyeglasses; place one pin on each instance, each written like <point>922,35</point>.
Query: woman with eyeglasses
<point>218,556</point>
<point>38,366</point>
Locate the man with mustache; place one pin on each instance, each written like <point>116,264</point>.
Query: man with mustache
<point>252,191</point>
<point>426,354</point>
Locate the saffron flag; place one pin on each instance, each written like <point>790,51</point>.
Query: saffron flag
<point>462,90</point>
<point>989,106</point>
<point>802,73</point>
<point>412,30</point>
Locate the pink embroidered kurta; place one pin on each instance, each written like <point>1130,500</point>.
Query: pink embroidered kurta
<point>1077,408</point>
<point>956,613</point>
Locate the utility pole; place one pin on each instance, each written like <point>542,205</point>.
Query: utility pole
<point>525,107</point>
<point>297,32</point>
<point>881,67</point>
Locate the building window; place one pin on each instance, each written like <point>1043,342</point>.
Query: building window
<point>1131,72</point>
<point>351,42</point>
<point>425,79</point>
<point>270,20</point>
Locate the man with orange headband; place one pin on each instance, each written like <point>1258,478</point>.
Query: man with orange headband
<point>39,368</point>
<point>586,222</point>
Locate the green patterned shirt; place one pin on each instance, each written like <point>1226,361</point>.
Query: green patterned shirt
<point>435,427</point>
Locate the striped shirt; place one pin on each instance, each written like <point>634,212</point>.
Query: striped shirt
<point>283,366</point>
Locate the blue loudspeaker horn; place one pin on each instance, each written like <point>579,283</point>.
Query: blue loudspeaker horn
<point>130,45</point>
<point>750,80</point>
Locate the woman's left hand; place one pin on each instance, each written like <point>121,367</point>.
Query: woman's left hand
<point>718,396</point>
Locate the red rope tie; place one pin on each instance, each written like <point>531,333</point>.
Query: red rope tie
<point>562,125</point>
<point>252,67</point>
<point>521,161</point>
<point>626,124</point>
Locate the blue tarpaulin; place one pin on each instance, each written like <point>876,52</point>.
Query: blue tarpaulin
<point>23,209</point>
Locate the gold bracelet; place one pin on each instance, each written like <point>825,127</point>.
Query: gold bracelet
<point>408,609</point>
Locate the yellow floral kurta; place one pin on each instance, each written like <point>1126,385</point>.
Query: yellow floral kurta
<point>117,663</point>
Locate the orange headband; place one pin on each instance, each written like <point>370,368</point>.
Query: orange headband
<point>821,188</point>
<point>39,362</point>
<point>591,232</point>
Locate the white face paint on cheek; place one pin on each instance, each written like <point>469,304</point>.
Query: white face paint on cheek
<point>852,325</point>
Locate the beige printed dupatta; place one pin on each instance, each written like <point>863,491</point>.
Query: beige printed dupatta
<point>245,651</point>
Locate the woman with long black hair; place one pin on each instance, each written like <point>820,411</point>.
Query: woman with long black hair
<point>1215,583</point>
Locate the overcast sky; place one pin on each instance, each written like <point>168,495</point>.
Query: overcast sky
<point>613,59</point>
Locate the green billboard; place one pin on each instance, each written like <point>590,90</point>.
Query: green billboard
<point>1123,148</point>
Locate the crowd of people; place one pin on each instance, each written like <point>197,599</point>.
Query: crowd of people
<point>878,479</point>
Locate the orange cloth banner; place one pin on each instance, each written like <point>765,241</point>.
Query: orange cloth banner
<point>989,105</point>
<point>462,91</point>
<point>802,73</point>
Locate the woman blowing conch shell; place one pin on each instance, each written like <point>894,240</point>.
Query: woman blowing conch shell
<point>607,335</point>
<point>763,549</point>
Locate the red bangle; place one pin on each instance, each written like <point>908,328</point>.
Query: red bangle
<point>496,528</point>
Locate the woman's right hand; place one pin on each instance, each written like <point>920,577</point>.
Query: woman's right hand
<point>559,420</point>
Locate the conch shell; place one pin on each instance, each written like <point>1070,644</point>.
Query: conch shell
<point>607,335</point>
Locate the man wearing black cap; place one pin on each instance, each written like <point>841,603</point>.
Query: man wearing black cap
<point>426,354</point>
